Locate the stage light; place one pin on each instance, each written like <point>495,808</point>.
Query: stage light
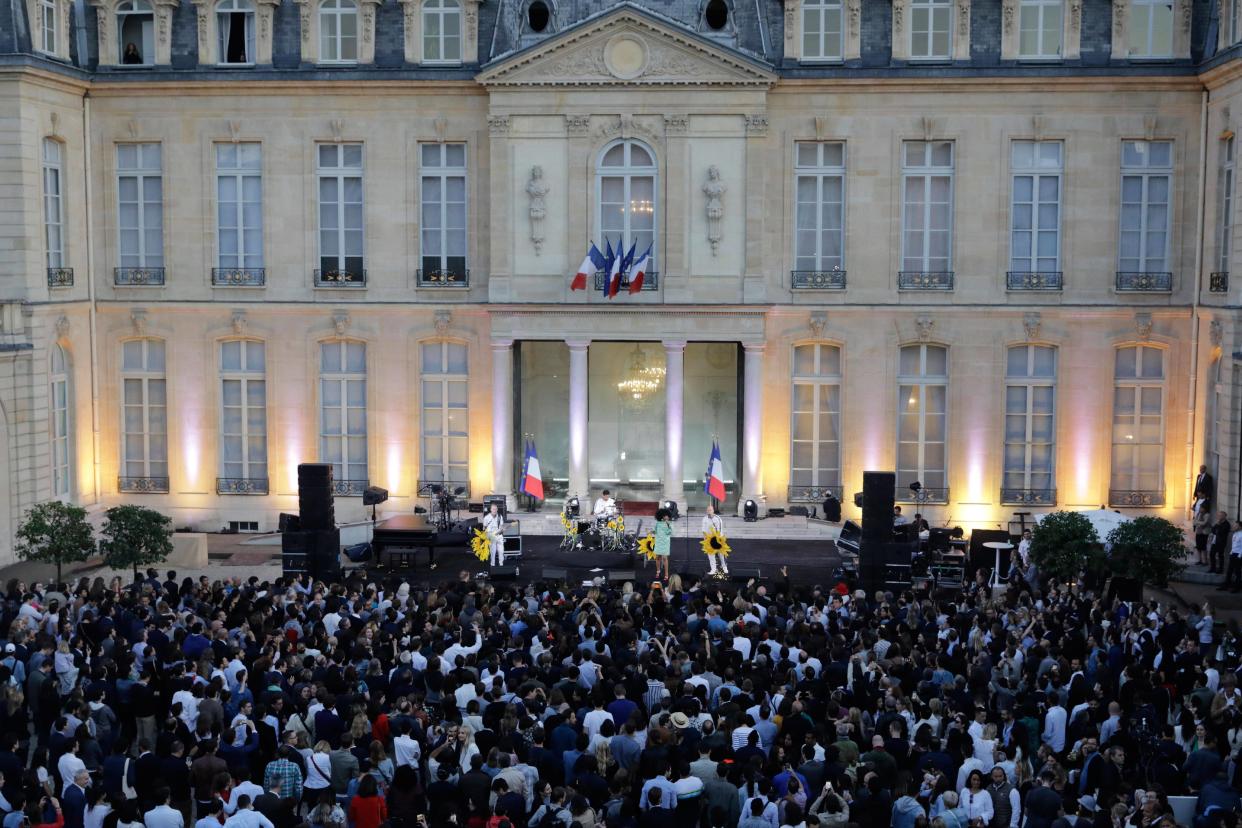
<point>572,507</point>
<point>750,511</point>
<point>916,487</point>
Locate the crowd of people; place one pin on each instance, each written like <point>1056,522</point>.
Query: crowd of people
<point>249,704</point>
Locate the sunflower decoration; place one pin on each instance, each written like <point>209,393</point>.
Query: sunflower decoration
<point>481,545</point>
<point>569,524</point>
<point>715,543</point>
<point>646,546</point>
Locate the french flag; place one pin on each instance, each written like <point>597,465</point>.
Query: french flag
<point>594,261</point>
<point>713,482</point>
<point>532,477</point>
<point>640,270</point>
<point>614,275</point>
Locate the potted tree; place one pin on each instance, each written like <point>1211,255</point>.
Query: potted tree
<point>1064,545</point>
<point>55,533</point>
<point>135,536</point>
<point>1147,549</point>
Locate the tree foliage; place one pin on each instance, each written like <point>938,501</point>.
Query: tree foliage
<point>135,536</point>
<point>1147,548</point>
<point>55,533</point>
<point>1065,544</point>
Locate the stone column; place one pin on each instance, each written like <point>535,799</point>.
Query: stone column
<point>752,422</point>
<point>578,481</point>
<point>502,416</point>
<point>674,358</point>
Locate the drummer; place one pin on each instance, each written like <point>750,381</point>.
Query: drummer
<point>605,506</point>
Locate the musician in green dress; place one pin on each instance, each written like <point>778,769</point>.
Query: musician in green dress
<point>663,541</point>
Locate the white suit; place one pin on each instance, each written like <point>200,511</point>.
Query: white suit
<point>715,522</point>
<point>605,507</point>
<point>494,526</point>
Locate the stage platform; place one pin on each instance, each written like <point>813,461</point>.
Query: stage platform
<point>810,561</point>
<point>781,528</point>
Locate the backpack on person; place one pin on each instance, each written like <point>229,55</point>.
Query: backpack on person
<point>547,816</point>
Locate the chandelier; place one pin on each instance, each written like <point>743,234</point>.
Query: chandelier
<point>643,379</point>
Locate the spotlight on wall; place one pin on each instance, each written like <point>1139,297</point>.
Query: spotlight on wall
<point>750,511</point>
<point>671,507</point>
<point>572,507</point>
<point>916,487</point>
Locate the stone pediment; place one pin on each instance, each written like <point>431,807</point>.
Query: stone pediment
<point>626,47</point>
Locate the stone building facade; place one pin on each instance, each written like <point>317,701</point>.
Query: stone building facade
<point>986,243</point>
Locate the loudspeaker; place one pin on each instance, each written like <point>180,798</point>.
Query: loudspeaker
<point>503,573</point>
<point>555,573</point>
<point>776,512</point>
<point>876,558</point>
<point>619,575</point>
<point>315,503</point>
<point>797,511</point>
<point>289,523</point>
<point>877,506</point>
<point>938,538</point>
<point>374,496</point>
<point>323,554</point>
<point>742,574</point>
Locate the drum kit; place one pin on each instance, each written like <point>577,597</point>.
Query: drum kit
<point>603,533</point>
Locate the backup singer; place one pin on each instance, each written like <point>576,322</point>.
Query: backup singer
<point>493,525</point>
<point>605,506</point>
<point>714,522</point>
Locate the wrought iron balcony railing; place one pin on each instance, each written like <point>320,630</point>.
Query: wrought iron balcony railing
<point>812,494</point>
<point>138,276</point>
<point>340,278</point>
<point>349,488</point>
<point>1134,498</point>
<point>1144,282</point>
<point>1218,282</point>
<point>441,278</point>
<point>58,277</point>
<point>239,276</point>
<point>651,281</point>
<point>241,485</point>
<point>904,494</point>
<point>142,485</point>
<point>929,280</point>
<point>1028,497</point>
<point>817,279</point>
<point>1034,280</point>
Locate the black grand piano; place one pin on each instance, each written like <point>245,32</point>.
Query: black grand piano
<point>397,541</point>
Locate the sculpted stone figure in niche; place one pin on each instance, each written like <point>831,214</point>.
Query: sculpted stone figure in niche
<point>714,189</point>
<point>537,189</point>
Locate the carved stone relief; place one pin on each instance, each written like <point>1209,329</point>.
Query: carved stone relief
<point>714,189</point>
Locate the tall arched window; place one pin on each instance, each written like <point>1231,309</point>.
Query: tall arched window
<point>135,33</point>
<point>815,433</point>
<point>922,421</point>
<point>338,31</point>
<point>53,204</point>
<point>343,414</point>
<point>1216,421</point>
<point>62,434</point>
<point>144,417</point>
<point>235,30</point>
<point>243,418</point>
<point>442,31</point>
<point>626,189</point>
<point>445,420</point>
<point>1030,425</point>
<point>1138,427</point>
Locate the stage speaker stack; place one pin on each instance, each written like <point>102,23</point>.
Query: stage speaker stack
<point>311,545</point>
<point>883,561</point>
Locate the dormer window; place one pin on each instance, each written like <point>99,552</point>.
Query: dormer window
<point>716,15</point>
<point>338,31</point>
<point>442,31</point>
<point>235,29</point>
<point>135,28</point>
<point>48,25</point>
<point>538,16</point>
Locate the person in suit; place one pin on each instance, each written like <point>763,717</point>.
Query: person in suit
<point>73,801</point>
<point>1219,544</point>
<point>1205,487</point>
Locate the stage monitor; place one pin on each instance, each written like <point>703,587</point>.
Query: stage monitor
<point>851,537</point>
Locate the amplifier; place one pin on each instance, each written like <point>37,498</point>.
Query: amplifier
<point>503,573</point>
<point>555,573</point>
<point>776,512</point>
